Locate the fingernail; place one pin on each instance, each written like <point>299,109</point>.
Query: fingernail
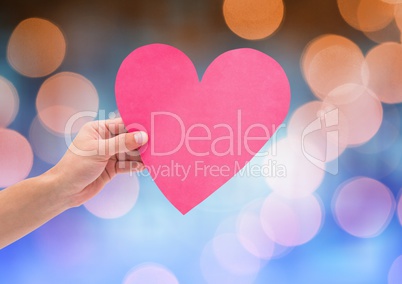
<point>141,137</point>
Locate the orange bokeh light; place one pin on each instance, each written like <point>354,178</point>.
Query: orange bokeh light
<point>398,16</point>
<point>385,68</point>
<point>253,19</point>
<point>362,109</point>
<point>64,95</point>
<point>36,48</point>
<point>392,1</point>
<point>9,102</point>
<point>389,33</point>
<point>366,15</point>
<point>330,61</point>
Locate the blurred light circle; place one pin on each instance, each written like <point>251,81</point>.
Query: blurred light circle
<point>362,109</point>
<point>290,172</point>
<point>389,33</point>
<point>385,68</point>
<point>348,10</point>
<point>233,256</point>
<point>16,157</point>
<point>329,135</point>
<point>64,95</point>
<point>213,271</point>
<point>281,251</point>
<point>291,222</point>
<point>392,1</point>
<point>253,19</point>
<point>395,272</point>
<point>366,15</point>
<point>339,59</point>
<point>150,273</point>
<point>227,225</point>
<point>232,224</point>
<point>9,102</point>
<point>45,144</point>
<point>321,43</point>
<point>374,15</point>
<point>36,47</point>
<point>334,66</point>
<point>363,207</point>
<point>387,135</point>
<point>116,199</point>
<point>252,236</point>
<point>398,16</point>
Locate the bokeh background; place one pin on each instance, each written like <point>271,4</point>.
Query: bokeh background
<point>335,221</point>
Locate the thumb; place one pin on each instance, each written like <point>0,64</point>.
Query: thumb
<point>126,142</point>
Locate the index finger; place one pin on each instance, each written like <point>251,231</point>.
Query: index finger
<point>115,126</point>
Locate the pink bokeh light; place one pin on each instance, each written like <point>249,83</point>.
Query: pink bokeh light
<point>9,102</point>
<point>16,157</point>
<point>363,207</point>
<point>291,222</point>
<point>116,199</point>
<point>289,169</point>
<point>362,109</point>
<point>318,142</point>
<point>395,272</point>
<point>214,272</point>
<point>252,236</point>
<point>150,273</point>
<point>63,96</point>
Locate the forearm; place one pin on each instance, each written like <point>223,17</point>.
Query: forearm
<point>29,204</point>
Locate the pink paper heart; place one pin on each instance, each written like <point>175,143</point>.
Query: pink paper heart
<point>209,129</point>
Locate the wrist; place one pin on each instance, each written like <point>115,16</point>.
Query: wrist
<point>60,189</point>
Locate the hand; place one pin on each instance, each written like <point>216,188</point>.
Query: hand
<point>101,150</point>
